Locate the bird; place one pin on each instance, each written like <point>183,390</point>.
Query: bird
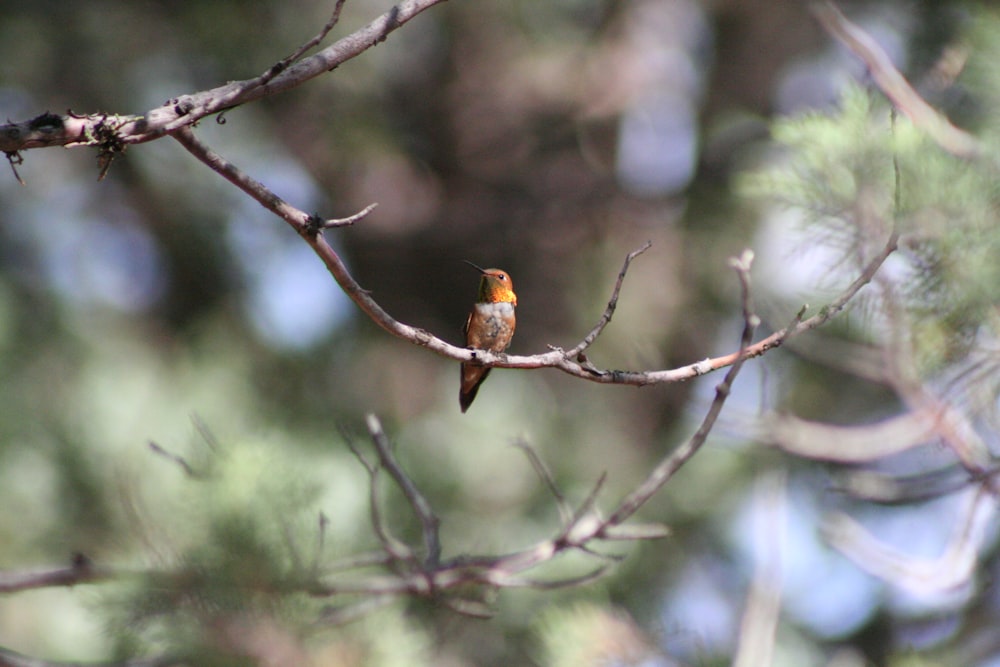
<point>490,327</point>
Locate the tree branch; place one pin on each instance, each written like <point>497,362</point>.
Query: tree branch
<point>673,462</point>
<point>449,581</point>
<point>120,130</point>
<point>81,571</point>
<point>10,658</point>
<point>609,311</point>
<point>895,86</point>
<point>428,520</point>
<point>581,527</point>
<point>569,361</point>
<point>113,133</point>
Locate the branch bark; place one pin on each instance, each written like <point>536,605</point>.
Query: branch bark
<point>109,130</point>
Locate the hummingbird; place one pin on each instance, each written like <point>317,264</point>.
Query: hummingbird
<point>490,327</point>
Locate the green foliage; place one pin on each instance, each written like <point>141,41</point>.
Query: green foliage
<point>826,162</point>
<point>854,173</point>
<point>238,554</point>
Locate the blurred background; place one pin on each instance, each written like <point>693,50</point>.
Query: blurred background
<point>548,139</point>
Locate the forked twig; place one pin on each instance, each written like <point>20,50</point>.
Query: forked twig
<point>673,462</point>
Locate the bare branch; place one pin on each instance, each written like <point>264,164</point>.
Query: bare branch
<point>543,472</point>
<point>847,444</point>
<point>186,110</point>
<point>544,585</point>
<point>585,511</point>
<point>572,361</point>
<point>954,568</point>
<point>466,607</point>
<point>81,571</point>
<point>395,549</point>
<point>349,220</point>
<point>296,218</point>
<point>884,488</point>
<point>895,86</point>
<point>673,462</point>
<point>322,525</point>
<point>589,339</point>
<point>10,658</point>
<point>428,520</point>
<point>633,532</point>
<point>175,458</point>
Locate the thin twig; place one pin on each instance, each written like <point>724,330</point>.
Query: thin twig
<point>428,520</point>
<point>284,63</point>
<point>543,472</point>
<point>467,607</point>
<point>323,523</point>
<point>349,220</point>
<point>583,512</point>
<point>205,432</point>
<point>14,159</point>
<point>552,584</point>
<point>609,311</point>
<point>799,326</point>
<point>176,458</point>
<point>396,550</point>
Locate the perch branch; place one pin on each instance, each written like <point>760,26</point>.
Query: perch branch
<point>582,529</point>
<point>569,361</point>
